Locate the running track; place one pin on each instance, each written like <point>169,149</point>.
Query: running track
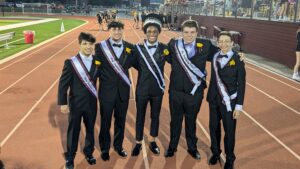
<point>33,130</point>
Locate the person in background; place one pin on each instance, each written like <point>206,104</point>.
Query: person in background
<point>100,20</point>
<point>291,9</point>
<point>296,75</point>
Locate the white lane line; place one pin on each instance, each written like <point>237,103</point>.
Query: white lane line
<point>273,98</point>
<point>24,76</point>
<point>208,137</point>
<point>40,46</point>
<point>273,136</point>
<point>268,70</point>
<point>146,161</point>
<point>298,89</point>
<point>27,114</point>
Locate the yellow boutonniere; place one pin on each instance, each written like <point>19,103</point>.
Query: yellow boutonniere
<point>97,63</point>
<point>199,45</point>
<point>166,52</point>
<point>128,50</point>
<point>232,63</point>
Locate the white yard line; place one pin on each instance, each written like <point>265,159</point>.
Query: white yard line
<point>18,25</point>
<point>34,47</point>
<point>27,114</point>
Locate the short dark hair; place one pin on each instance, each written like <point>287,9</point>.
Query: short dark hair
<point>225,33</point>
<point>115,24</point>
<point>190,23</point>
<point>86,36</point>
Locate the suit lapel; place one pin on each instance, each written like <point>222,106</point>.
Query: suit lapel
<point>196,48</point>
<point>93,67</point>
<point>156,54</point>
<point>123,55</point>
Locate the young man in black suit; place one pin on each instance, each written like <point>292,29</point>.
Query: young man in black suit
<point>114,87</point>
<point>187,83</point>
<point>78,77</point>
<point>225,96</point>
<point>150,59</point>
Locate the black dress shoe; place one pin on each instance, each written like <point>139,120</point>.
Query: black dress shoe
<point>90,159</point>
<point>170,153</point>
<point>105,156</point>
<point>136,150</point>
<point>121,152</point>
<point>214,159</point>
<point>69,164</point>
<point>154,148</point>
<point>228,165</point>
<point>195,154</point>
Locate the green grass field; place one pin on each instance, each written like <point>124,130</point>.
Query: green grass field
<point>9,22</point>
<point>43,32</point>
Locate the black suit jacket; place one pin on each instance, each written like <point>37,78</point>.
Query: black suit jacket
<point>79,97</point>
<point>111,83</point>
<point>147,84</point>
<point>233,78</point>
<point>179,80</point>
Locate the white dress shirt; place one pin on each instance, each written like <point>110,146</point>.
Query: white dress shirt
<point>152,50</point>
<point>190,48</point>
<point>223,61</point>
<point>87,61</point>
<point>118,51</point>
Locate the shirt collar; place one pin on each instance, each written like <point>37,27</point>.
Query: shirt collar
<point>112,42</point>
<point>193,43</point>
<point>229,53</point>
<point>149,44</point>
<point>83,57</point>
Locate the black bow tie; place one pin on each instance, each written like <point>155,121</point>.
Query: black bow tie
<point>223,56</point>
<point>117,45</point>
<point>150,47</point>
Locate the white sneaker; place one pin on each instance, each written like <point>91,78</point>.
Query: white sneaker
<point>296,77</point>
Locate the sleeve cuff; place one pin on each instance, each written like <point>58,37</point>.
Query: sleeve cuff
<point>239,107</point>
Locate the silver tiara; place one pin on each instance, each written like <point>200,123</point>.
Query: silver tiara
<point>152,20</point>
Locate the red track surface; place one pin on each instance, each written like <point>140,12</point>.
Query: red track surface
<point>33,130</point>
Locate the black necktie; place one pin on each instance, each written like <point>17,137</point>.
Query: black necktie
<point>117,45</point>
<point>223,56</point>
<point>150,47</point>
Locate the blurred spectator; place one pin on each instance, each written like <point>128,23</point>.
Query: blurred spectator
<point>292,9</point>
<point>283,9</point>
<point>296,75</point>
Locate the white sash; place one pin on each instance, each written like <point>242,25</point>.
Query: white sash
<point>195,75</point>
<point>113,62</point>
<point>83,75</point>
<point>222,88</point>
<point>161,86</point>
